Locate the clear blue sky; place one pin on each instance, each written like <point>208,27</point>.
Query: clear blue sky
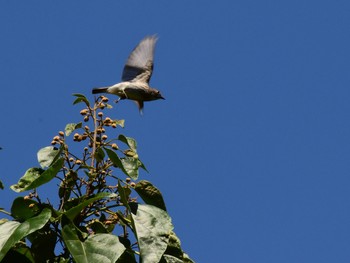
<point>250,147</point>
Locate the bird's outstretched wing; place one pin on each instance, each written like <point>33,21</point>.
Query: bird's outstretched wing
<point>139,65</point>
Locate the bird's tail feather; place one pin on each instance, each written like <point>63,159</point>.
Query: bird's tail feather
<point>139,104</point>
<point>99,90</point>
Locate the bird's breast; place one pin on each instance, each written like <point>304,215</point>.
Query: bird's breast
<point>139,91</point>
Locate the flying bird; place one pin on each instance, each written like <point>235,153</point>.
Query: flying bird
<point>136,76</point>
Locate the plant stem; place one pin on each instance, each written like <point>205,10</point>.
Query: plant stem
<point>95,135</point>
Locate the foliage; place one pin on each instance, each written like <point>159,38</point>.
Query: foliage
<point>99,216</point>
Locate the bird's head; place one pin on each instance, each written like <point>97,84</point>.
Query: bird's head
<point>156,94</point>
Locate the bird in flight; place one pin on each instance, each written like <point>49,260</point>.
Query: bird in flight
<point>136,76</point>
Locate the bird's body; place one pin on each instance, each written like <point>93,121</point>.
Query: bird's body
<point>136,75</point>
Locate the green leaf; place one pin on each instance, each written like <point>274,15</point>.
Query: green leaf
<point>186,259</point>
<point>143,166</point>
<point>73,212</point>
<point>170,259</point>
<point>67,184</point>
<point>127,257</point>
<point>131,166</point>
<point>99,154</point>
<point>44,238</point>
<point>7,231</point>
<point>102,248</point>
<point>34,177</point>
<point>124,194</point>
<point>19,254</point>
<point>81,98</point>
<point>98,227</point>
<point>11,232</point>
<point>150,194</point>
<point>25,251</point>
<point>174,246</point>
<point>121,123</point>
<point>115,159</point>
<point>153,227</point>
<point>23,209</point>
<point>129,141</point>
<point>174,253</point>
<point>70,127</point>
<point>47,156</point>
<point>30,175</point>
<point>123,219</point>
<point>1,185</point>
